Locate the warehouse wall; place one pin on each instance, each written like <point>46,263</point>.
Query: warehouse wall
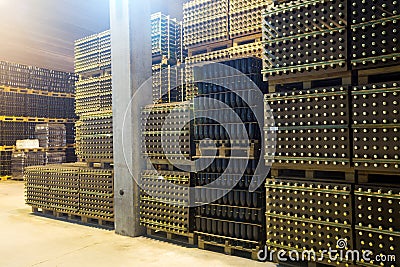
<point>42,32</point>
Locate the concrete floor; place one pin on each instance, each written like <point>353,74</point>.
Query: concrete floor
<point>29,240</point>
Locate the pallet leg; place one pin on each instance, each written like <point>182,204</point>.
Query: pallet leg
<point>35,210</point>
<point>363,80</point>
<point>307,85</point>
<point>191,240</point>
<point>362,178</point>
<point>84,219</point>
<point>275,173</point>
<point>349,177</point>
<point>309,174</point>
<point>254,255</point>
<point>200,243</point>
<point>312,264</point>
<point>149,231</point>
<point>170,236</point>
<point>227,248</point>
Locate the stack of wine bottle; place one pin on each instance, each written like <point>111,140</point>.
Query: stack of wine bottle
<point>5,163</point>
<point>377,223</point>
<point>167,144</point>
<point>166,131</point>
<point>30,77</point>
<point>376,158</point>
<point>237,217</point>
<point>376,127</point>
<point>164,36</point>
<point>96,193</point>
<point>304,36</point>
<point>312,127</point>
<point>374,34</point>
<point>205,21</point>
<point>245,17</point>
<point>168,83</point>
<point>310,216</point>
<point>165,202</point>
<point>94,136</point>
<point>54,187</point>
<point>93,53</point>
<point>71,189</point>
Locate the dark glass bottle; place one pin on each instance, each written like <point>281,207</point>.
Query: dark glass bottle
<point>243,232</point>
<point>249,232</point>
<point>225,228</point>
<point>236,197</point>
<point>203,225</point>
<point>214,229</point>
<point>231,229</point>
<point>237,230</point>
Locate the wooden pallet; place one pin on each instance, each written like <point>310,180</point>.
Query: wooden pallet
<point>100,163</point>
<point>378,177</point>
<point>383,74</point>
<point>74,217</point>
<point>94,73</point>
<point>5,178</point>
<point>312,172</point>
<point>188,238</point>
<point>317,80</point>
<point>225,151</point>
<point>35,92</point>
<point>246,39</point>
<point>41,149</point>
<point>210,47</point>
<point>228,248</point>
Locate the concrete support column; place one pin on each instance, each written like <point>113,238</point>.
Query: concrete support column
<point>131,67</point>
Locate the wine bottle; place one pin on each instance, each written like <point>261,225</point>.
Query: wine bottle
<point>243,202</point>
<point>242,213</point>
<point>236,197</point>
<point>225,229</point>
<point>214,228</point>
<point>219,230</point>
<point>203,225</point>
<point>256,233</point>
<point>243,232</point>
<point>231,229</point>
<point>237,230</point>
<point>198,224</point>
<point>209,226</point>
<point>249,232</point>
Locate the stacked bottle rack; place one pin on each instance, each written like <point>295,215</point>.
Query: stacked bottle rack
<point>235,221</point>
<point>166,133</point>
<point>374,34</point>
<point>93,53</point>
<point>72,192</point>
<point>205,22</point>
<point>94,137</point>
<point>94,100</point>
<point>164,32</point>
<point>245,17</point>
<point>30,96</point>
<point>29,77</point>
<point>302,37</point>
<point>168,83</point>
<point>337,140</point>
<point>375,128</point>
<point>168,53</point>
